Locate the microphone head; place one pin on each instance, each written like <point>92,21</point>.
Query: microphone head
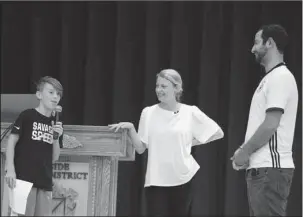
<point>58,108</point>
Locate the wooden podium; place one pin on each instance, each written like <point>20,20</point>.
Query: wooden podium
<point>86,173</point>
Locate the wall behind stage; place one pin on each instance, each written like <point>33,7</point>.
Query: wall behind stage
<point>106,54</point>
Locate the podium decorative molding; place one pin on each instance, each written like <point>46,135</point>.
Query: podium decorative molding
<point>70,142</point>
<point>65,198</point>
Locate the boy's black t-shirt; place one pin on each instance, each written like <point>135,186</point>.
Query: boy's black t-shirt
<point>34,149</point>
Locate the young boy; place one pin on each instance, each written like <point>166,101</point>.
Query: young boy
<point>31,147</point>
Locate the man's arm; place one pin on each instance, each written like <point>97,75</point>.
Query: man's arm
<point>264,132</point>
<point>259,139</point>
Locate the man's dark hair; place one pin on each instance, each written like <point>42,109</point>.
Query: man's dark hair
<point>277,33</point>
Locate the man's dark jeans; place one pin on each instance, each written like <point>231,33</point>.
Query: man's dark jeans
<point>268,190</point>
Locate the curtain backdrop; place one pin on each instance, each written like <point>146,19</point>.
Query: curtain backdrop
<point>107,54</point>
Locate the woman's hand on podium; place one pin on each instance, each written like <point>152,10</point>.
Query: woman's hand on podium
<point>10,178</point>
<point>121,125</point>
<point>136,141</point>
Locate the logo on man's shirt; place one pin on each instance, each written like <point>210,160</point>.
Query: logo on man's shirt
<point>42,132</point>
<point>261,86</point>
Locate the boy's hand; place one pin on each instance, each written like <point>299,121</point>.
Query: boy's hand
<point>57,128</point>
<point>10,178</point>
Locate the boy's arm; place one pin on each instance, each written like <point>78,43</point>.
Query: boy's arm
<point>10,152</point>
<point>56,143</point>
<point>9,163</point>
<point>56,150</point>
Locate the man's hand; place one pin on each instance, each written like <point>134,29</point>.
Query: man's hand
<point>240,159</point>
<point>10,179</point>
<point>236,152</point>
<point>236,167</point>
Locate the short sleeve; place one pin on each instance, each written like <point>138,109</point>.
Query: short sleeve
<point>18,124</point>
<point>204,128</point>
<point>278,91</point>
<point>143,129</point>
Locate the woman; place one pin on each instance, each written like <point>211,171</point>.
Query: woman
<point>168,130</point>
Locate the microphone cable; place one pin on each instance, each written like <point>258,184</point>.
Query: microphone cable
<point>6,131</point>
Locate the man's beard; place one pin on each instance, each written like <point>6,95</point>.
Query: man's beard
<point>260,56</point>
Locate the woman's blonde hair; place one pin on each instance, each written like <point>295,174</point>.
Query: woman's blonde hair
<point>174,77</point>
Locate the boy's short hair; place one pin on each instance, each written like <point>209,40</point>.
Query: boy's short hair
<point>50,80</point>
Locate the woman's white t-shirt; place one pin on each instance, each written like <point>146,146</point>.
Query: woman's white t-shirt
<point>168,137</point>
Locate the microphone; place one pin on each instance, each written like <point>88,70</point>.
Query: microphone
<point>58,109</point>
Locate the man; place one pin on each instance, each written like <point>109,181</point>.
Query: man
<point>267,151</point>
